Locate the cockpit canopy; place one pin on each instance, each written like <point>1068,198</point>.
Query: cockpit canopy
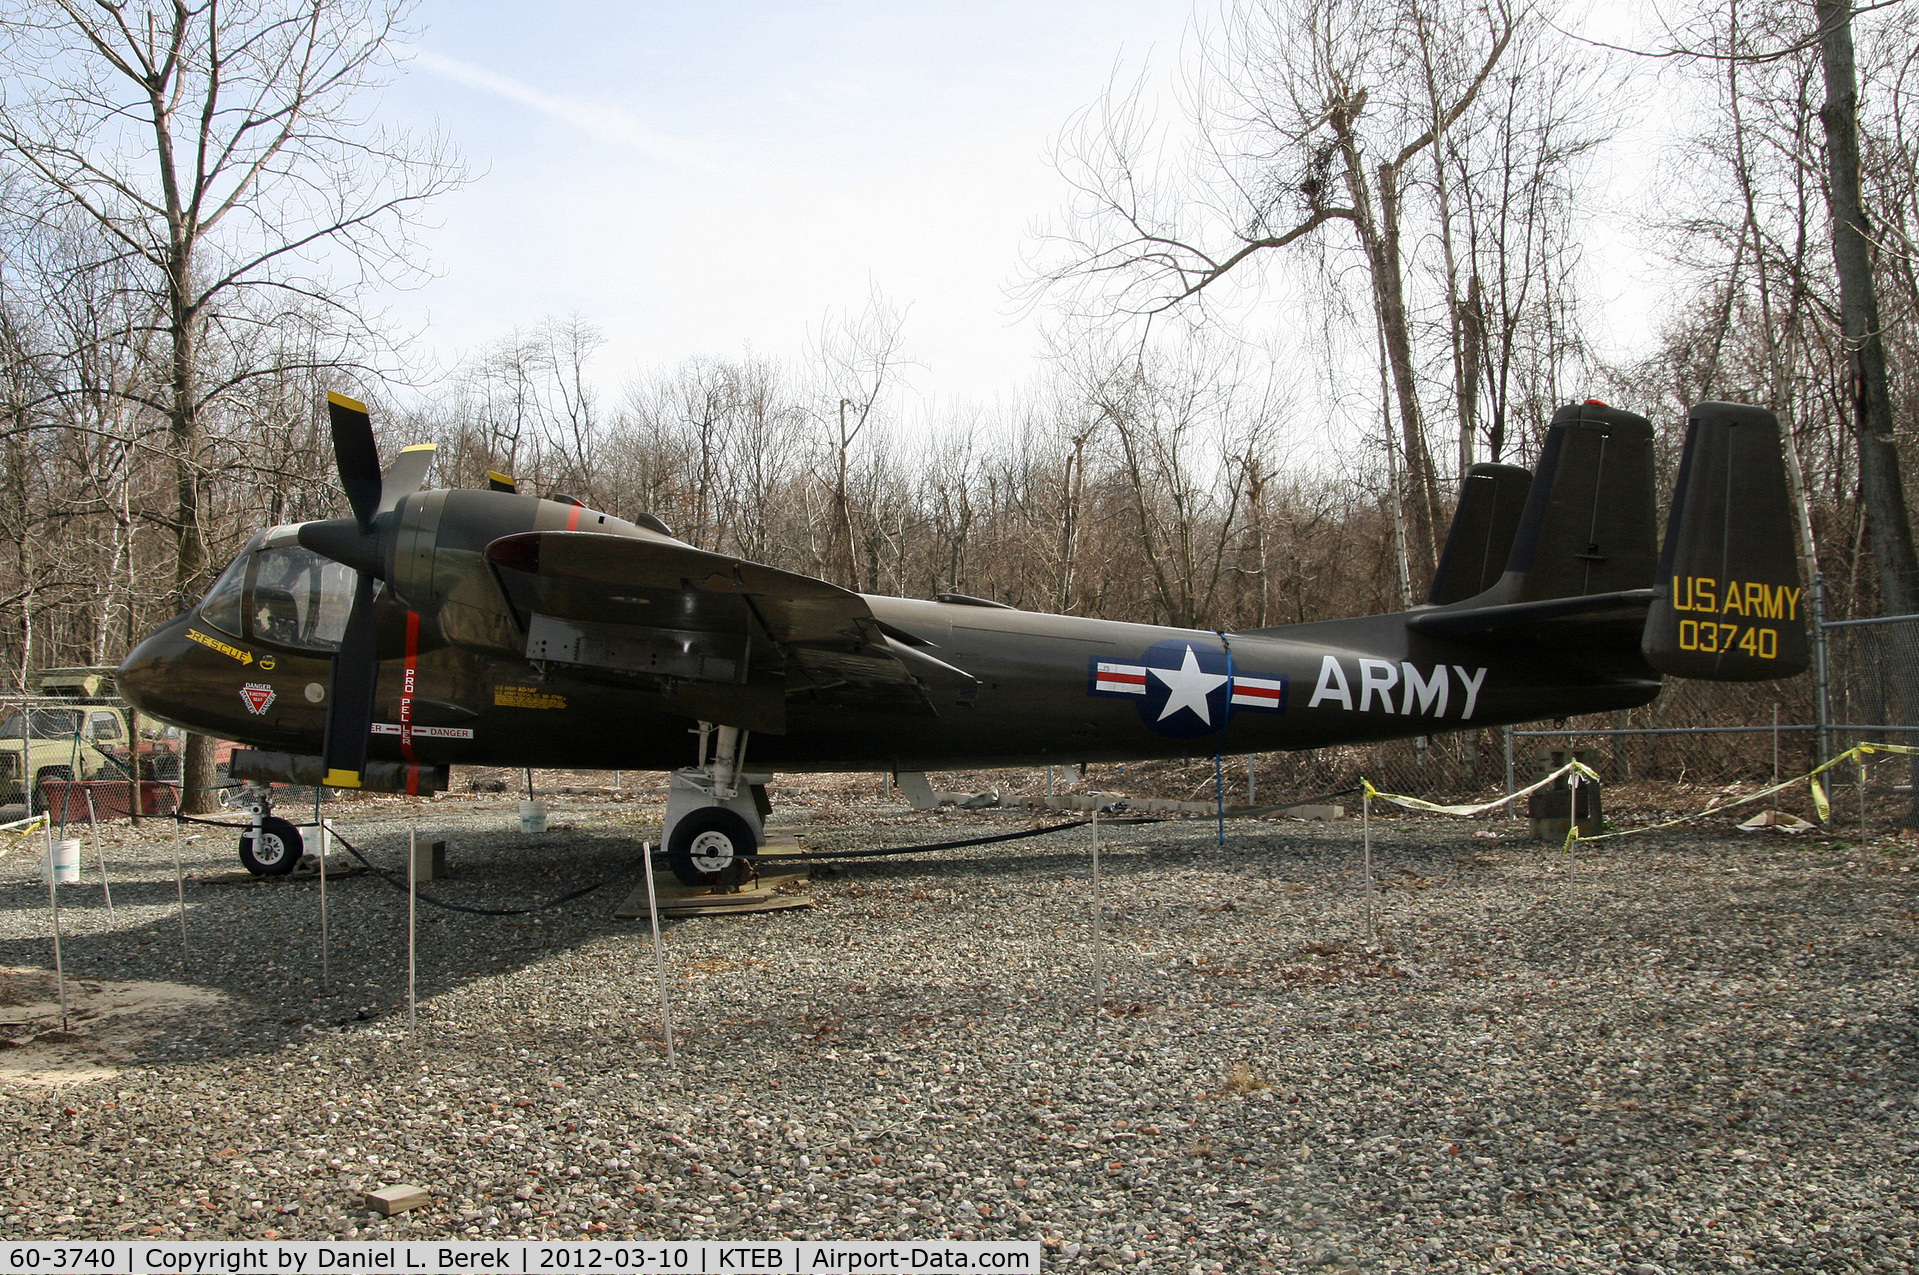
<point>279,593</point>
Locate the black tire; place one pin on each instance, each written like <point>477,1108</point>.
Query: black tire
<point>707,843</point>
<point>37,803</point>
<point>278,851</point>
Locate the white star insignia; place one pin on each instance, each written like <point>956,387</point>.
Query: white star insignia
<point>1188,687</point>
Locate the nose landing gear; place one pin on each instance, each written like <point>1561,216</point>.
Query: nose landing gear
<point>272,846</point>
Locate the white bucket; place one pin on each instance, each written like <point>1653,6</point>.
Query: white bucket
<point>532,817</point>
<point>66,862</point>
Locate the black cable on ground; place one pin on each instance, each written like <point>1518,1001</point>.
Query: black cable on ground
<point>388,877</point>
<point>393,878</point>
<point>1121,821</point>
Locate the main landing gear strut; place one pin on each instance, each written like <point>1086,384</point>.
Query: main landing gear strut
<point>715,811</point>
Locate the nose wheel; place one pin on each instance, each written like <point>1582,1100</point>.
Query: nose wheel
<point>271,850</point>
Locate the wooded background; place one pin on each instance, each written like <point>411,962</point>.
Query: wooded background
<point>194,210</point>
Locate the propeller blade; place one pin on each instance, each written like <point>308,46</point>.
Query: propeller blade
<point>350,690</point>
<point>404,475</point>
<point>358,457</point>
<point>497,481</point>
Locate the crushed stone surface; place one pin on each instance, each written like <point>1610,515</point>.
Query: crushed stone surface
<point>1693,1050</point>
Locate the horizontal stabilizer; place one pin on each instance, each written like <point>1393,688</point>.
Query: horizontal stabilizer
<point>1595,622</point>
<point>1730,606</point>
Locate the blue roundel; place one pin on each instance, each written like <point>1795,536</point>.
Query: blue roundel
<point>1180,687</point>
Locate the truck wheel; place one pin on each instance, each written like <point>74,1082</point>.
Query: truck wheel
<point>707,843</point>
<point>37,802</point>
<point>275,852</point>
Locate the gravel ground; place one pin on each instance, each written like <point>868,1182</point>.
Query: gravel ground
<point>1683,1052</point>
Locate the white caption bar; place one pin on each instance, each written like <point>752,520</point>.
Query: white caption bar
<point>520,1257</point>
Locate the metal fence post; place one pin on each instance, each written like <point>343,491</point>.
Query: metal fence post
<point>1509,768</point>
<point>1821,681</point>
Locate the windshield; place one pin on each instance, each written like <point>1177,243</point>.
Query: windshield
<point>288,596</point>
<point>299,599</point>
<point>221,606</point>
<point>43,723</point>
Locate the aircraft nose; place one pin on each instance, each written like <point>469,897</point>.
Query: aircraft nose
<point>143,677</point>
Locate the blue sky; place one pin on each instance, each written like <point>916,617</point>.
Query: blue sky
<point>698,179</point>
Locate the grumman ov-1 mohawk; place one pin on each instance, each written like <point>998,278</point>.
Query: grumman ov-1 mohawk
<point>491,628</point>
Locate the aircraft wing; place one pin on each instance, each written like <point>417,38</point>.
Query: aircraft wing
<point>731,640</point>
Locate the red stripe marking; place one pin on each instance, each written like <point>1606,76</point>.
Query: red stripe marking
<point>406,697</point>
<point>573,518</point>
<point>1133,679</point>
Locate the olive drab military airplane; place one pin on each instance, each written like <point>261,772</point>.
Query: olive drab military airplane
<point>442,628</point>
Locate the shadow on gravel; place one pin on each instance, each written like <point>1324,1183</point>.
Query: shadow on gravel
<point>258,941</point>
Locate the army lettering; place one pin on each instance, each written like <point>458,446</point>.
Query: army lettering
<point>1750,600</point>
<point>1427,694</point>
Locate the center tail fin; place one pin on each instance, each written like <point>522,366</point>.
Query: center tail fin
<point>1590,525</point>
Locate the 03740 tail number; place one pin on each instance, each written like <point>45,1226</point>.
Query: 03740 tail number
<point>1758,641</point>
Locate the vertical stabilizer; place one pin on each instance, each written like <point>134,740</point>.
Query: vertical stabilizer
<point>1730,605</point>
<point>1481,539</point>
<point>1590,522</point>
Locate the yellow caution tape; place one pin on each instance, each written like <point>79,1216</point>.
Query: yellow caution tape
<point>18,831</point>
<point>1414,803</point>
<point>1819,800</point>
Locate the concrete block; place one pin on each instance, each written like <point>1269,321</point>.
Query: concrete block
<point>918,793</point>
<point>429,861</point>
<point>397,1198</point>
<point>1317,812</point>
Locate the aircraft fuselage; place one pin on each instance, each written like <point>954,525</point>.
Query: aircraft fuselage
<point>1048,689</point>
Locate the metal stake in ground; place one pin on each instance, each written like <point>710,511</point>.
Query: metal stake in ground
<point>1572,811</point>
<point>180,888</point>
<point>326,973</point>
<point>53,909</point>
<point>412,892</point>
<point>1366,841</point>
<point>1860,766</point>
<point>93,827</point>
<point>1099,942</point>
<point>659,955</point>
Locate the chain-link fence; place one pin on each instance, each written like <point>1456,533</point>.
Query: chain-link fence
<point>75,758</point>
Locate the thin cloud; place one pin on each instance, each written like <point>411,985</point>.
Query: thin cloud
<point>603,123</point>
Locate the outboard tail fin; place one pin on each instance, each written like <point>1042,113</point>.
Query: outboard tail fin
<point>1491,500</point>
<point>1730,605</point>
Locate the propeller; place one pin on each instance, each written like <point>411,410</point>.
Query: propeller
<point>363,542</point>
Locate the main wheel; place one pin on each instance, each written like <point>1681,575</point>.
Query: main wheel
<point>274,852</point>
<point>707,843</point>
